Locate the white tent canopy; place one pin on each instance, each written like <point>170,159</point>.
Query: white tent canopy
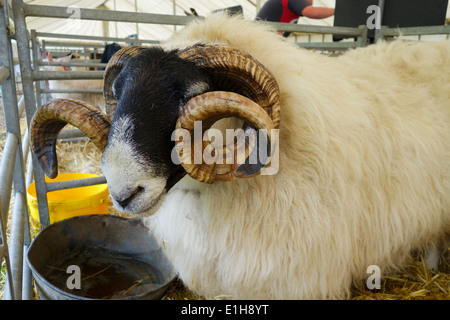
<point>148,31</point>
<point>144,31</point>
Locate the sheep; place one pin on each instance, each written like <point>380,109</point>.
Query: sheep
<point>95,99</point>
<point>364,160</point>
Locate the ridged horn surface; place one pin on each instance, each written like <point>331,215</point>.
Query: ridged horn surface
<point>236,71</point>
<point>208,108</point>
<point>242,78</point>
<point>51,118</point>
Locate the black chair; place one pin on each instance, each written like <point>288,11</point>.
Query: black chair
<point>396,13</point>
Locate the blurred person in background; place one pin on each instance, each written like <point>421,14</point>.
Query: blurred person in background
<point>288,11</point>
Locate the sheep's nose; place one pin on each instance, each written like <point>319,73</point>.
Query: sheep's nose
<point>125,201</point>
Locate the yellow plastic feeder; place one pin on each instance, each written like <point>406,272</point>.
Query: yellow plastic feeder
<point>68,203</point>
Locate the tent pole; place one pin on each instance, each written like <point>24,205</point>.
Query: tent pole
<point>174,12</point>
<point>137,25</point>
<point>117,35</point>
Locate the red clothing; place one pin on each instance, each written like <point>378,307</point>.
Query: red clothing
<point>282,10</point>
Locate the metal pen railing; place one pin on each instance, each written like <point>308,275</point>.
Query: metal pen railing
<point>12,179</point>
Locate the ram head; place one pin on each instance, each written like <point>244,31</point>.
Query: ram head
<point>149,93</point>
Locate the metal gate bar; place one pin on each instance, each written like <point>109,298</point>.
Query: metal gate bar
<point>12,169</point>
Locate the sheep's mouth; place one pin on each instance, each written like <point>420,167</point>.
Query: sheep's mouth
<point>141,207</point>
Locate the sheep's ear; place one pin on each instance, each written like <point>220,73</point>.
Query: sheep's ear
<point>257,159</point>
<point>115,65</point>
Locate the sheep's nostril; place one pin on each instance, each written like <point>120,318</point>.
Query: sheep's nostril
<point>125,202</point>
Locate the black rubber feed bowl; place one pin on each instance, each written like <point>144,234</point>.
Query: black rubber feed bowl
<point>99,257</point>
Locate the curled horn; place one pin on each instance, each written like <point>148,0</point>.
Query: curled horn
<point>252,94</point>
<point>51,118</point>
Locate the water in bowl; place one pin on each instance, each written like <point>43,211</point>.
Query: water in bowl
<point>105,274</point>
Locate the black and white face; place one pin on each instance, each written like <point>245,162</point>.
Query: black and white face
<point>137,160</point>
<point>136,185</point>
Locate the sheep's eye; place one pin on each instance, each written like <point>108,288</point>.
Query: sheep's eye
<point>117,87</point>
